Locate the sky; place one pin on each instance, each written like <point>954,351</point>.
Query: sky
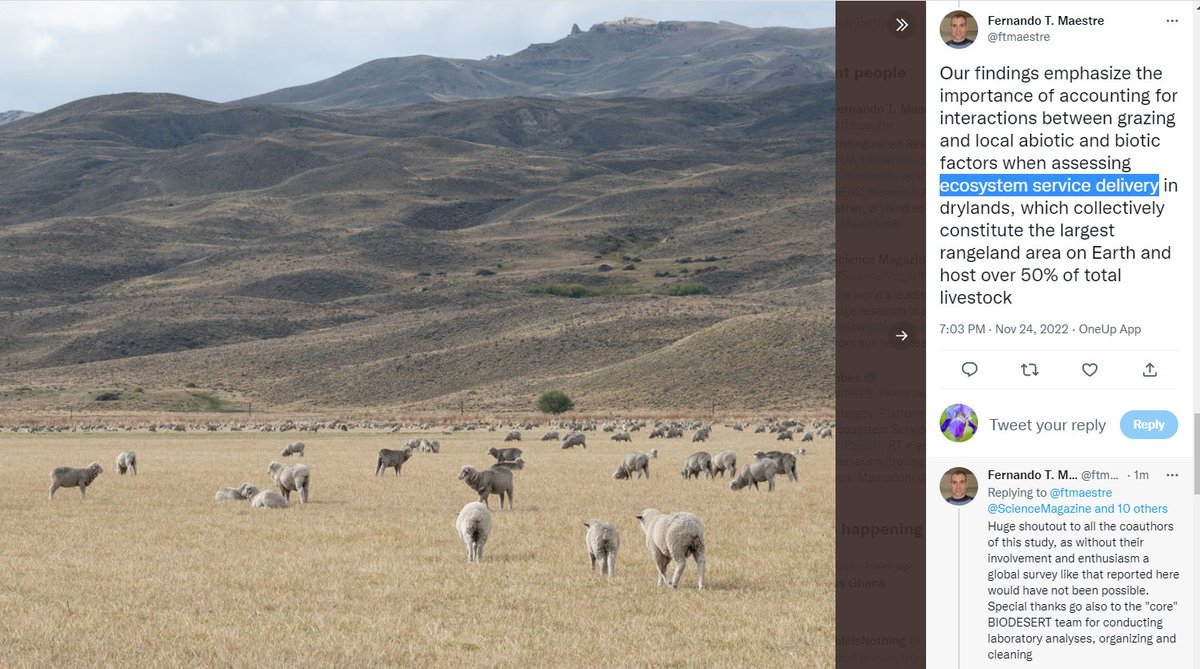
<point>52,53</point>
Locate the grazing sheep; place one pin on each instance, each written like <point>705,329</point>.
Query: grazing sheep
<point>294,448</point>
<point>519,463</point>
<point>390,458</point>
<point>514,435</point>
<point>634,462</point>
<point>495,481</point>
<point>673,537</point>
<point>700,435</point>
<point>675,433</point>
<point>550,436</point>
<point>574,439</point>
<point>72,477</point>
<point>621,436</point>
<point>725,460</point>
<point>602,542</point>
<point>696,463</point>
<point>757,472</point>
<point>786,462</point>
<point>268,499</point>
<point>127,462</point>
<point>245,491</point>
<point>290,478</point>
<point>431,446</point>
<point>504,454</point>
<point>659,432</point>
<point>474,525</point>
<point>785,435</point>
<point>808,436</point>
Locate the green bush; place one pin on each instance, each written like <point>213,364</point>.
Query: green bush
<point>554,401</point>
<point>681,289</point>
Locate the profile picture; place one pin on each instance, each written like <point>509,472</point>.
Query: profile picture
<point>958,422</point>
<point>959,29</point>
<point>959,486</point>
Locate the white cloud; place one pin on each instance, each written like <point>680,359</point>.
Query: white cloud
<point>209,46</point>
<point>34,44</point>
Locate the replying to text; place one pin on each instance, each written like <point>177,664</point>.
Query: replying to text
<point>1060,251</point>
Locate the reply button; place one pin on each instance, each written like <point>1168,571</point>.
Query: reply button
<point>1149,424</point>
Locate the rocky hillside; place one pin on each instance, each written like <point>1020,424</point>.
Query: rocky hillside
<point>628,58</point>
<point>647,253</point>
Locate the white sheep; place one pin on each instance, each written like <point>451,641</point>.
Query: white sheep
<point>633,462</point>
<point>495,481</point>
<point>244,491</point>
<point>390,458</point>
<point>72,477</point>
<point>574,439</point>
<point>756,472</point>
<point>127,462</point>
<point>697,462</point>
<point>621,436</point>
<point>474,525</point>
<point>725,460</point>
<point>268,499</point>
<point>514,435</point>
<point>602,543</point>
<point>295,477</point>
<point>673,537</point>
<point>294,448</point>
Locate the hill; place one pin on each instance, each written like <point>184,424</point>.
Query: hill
<point>656,254</point>
<point>627,58</point>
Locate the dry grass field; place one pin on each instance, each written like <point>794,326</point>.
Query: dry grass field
<point>150,571</point>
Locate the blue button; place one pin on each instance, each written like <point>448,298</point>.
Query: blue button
<point>1149,424</point>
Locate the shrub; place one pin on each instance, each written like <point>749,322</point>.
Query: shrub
<point>554,401</point>
<point>681,289</point>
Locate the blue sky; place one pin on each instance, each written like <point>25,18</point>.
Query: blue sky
<point>54,52</point>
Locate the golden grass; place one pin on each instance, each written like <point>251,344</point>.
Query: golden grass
<point>149,571</point>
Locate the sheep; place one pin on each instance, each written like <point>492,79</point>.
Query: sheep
<point>725,460</point>
<point>552,435</point>
<point>653,454</point>
<point>268,499</point>
<point>495,481</point>
<point>431,446</point>
<point>675,433</point>
<point>245,491</point>
<point>673,537</point>
<point>474,525</point>
<point>696,463</point>
<point>294,448</point>
<point>786,462</point>
<point>574,439</point>
<point>390,458</point>
<point>808,436</point>
<point>757,472</point>
<point>295,477</point>
<point>127,461</point>
<point>514,435</point>
<point>504,454</point>
<point>519,463</point>
<point>602,542</point>
<point>700,435</point>
<point>785,435</point>
<point>621,436</point>
<point>634,462</point>
<point>72,477</point>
